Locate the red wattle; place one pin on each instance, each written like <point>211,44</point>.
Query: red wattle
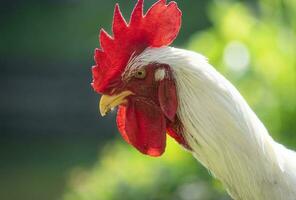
<point>143,125</point>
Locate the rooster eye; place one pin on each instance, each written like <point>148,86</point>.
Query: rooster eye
<point>141,73</point>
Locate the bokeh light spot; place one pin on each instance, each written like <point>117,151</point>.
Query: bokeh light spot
<point>236,57</point>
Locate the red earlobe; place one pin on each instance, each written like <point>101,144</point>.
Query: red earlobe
<point>167,96</point>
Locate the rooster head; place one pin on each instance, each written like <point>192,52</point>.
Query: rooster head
<point>146,95</point>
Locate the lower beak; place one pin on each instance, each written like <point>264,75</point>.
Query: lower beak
<point>107,103</point>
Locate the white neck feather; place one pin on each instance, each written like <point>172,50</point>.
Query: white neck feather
<point>224,133</point>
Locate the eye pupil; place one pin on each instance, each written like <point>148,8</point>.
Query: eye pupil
<point>140,74</point>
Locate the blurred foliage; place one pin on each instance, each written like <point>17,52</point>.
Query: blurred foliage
<point>123,173</point>
<point>254,46</point>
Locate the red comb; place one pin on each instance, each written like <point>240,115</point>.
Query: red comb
<point>158,27</point>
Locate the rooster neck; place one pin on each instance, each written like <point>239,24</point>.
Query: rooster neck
<point>228,138</point>
<point>224,133</point>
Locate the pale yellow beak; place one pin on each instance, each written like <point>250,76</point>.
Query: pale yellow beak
<point>107,103</point>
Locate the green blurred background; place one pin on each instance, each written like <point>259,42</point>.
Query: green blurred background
<point>54,145</point>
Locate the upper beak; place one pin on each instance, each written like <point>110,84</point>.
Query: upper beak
<point>107,102</point>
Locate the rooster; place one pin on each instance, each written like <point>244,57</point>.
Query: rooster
<point>161,90</point>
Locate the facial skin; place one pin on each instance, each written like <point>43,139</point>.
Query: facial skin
<point>144,85</point>
<point>147,108</point>
<point>140,85</point>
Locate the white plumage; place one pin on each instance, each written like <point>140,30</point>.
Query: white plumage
<point>225,134</point>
